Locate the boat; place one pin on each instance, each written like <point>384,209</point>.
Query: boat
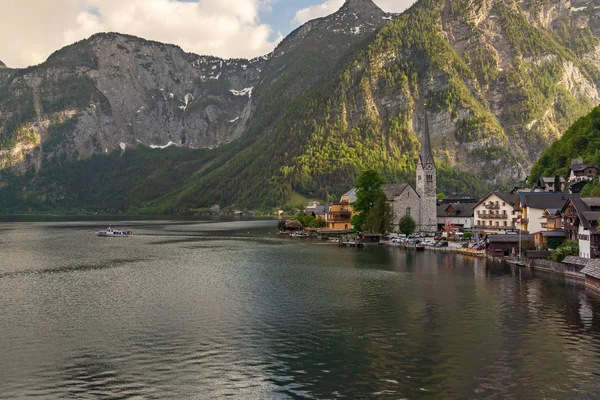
<point>114,233</point>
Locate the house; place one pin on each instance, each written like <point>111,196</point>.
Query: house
<point>349,196</point>
<point>592,274</point>
<point>581,172</point>
<point>339,216</point>
<point>505,245</point>
<point>548,238</point>
<point>534,205</point>
<point>580,217</point>
<point>496,211</point>
<point>547,184</point>
<point>312,205</point>
<point>553,219</point>
<point>458,215</point>
<point>319,212</point>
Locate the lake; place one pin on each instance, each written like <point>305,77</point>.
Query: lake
<point>209,309</point>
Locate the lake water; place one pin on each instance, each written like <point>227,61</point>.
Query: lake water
<point>227,309</point>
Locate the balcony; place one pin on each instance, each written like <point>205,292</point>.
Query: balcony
<point>492,206</point>
<point>493,216</point>
<point>495,228</point>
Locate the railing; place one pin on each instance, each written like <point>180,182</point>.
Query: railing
<point>492,206</point>
<point>498,228</point>
<point>493,216</point>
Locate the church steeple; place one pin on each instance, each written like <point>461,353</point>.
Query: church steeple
<point>426,156</point>
<point>427,182</point>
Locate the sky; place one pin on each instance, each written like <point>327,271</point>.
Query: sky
<point>30,30</point>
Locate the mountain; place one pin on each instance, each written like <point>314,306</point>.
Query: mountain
<point>498,81</point>
<point>582,140</point>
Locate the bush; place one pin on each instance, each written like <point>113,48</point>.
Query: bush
<point>568,248</point>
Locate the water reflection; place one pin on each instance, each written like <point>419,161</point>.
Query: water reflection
<point>201,310</point>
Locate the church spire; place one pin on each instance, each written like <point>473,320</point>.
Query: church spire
<point>426,156</point>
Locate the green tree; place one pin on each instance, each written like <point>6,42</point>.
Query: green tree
<point>557,185</point>
<point>368,191</point>
<point>591,189</point>
<point>381,218</point>
<point>407,225</point>
<point>568,248</point>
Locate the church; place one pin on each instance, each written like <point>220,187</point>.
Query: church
<point>419,203</point>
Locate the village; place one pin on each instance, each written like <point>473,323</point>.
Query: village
<point>549,226</point>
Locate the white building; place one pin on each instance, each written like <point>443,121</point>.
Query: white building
<point>534,205</point>
<point>580,217</point>
<point>496,211</point>
<point>458,215</point>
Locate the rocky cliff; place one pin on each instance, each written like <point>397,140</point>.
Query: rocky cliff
<point>498,80</point>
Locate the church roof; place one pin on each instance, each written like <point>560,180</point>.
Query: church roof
<point>426,157</point>
<point>395,189</point>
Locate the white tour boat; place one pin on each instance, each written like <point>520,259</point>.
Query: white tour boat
<point>114,233</point>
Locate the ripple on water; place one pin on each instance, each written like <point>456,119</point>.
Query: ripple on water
<point>195,311</point>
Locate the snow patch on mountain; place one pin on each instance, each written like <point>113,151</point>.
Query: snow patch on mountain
<point>243,92</point>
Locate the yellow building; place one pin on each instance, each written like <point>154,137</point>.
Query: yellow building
<point>339,216</point>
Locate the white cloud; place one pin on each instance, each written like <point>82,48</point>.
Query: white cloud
<point>331,6</point>
<point>32,29</point>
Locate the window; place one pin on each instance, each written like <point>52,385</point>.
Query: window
<point>505,223</point>
<point>503,203</point>
<point>408,211</point>
<point>429,178</point>
<point>497,224</point>
<point>420,178</point>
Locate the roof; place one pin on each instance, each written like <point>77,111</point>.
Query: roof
<point>543,201</point>
<point>509,238</point>
<point>552,233</point>
<point>551,180</point>
<point>588,210</point>
<point>581,167</point>
<point>351,195</point>
<point>393,190</point>
<point>574,260</point>
<point>592,202</point>
<point>538,254</point>
<point>462,209</point>
<point>507,197</point>
<point>318,210</point>
<point>458,199</point>
<point>592,268</point>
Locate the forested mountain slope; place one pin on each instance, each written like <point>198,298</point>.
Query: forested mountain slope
<point>498,80</point>
<point>582,139</point>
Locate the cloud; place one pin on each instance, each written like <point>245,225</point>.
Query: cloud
<point>331,6</point>
<point>32,29</point>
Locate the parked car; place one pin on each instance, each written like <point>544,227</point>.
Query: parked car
<point>441,244</point>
